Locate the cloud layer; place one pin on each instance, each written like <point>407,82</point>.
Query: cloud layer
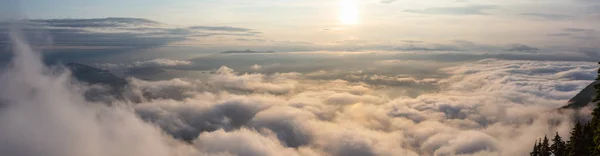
<point>479,108</point>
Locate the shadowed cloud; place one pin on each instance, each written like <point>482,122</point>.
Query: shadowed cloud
<point>522,48</point>
<point>118,32</point>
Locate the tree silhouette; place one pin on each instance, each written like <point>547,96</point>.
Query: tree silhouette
<point>576,145</point>
<point>588,139</point>
<point>536,149</point>
<point>558,147</point>
<point>545,148</point>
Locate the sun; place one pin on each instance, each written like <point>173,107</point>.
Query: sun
<point>348,12</point>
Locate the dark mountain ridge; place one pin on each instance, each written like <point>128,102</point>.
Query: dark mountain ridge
<point>584,97</point>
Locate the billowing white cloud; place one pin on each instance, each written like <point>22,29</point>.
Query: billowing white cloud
<point>241,142</point>
<point>480,110</point>
<point>256,67</point>
<point>44,115</point>
<point>277,83</point>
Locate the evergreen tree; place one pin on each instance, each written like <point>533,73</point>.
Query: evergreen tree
<point>588,139</point>
<point>545,148</point>
<point>576,142</point>
<point>558,147</point>
<point>535,151</point>
<point>540,147</point>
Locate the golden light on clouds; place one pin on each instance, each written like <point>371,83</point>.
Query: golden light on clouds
<point>348,12</point>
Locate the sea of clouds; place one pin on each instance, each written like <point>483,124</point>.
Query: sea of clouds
<point>484,107</point>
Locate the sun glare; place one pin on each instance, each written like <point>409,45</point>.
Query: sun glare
<point>348,11</point>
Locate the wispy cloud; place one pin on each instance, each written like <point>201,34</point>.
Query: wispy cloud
<point>387,1</point>
<point>220,28</point>
<point>95,22</point>
<point>577,30</point>
<point>576,33</point>
<point>251,39</point>
<point>559,34</point>
<point>465,10</point>
<point>546,16</point>
<point>436,47</point>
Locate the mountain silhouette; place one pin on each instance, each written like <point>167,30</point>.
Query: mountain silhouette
<point>584,97</point>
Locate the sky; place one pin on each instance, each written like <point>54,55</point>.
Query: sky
<point>555,25</point>
<point>292,77</point>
